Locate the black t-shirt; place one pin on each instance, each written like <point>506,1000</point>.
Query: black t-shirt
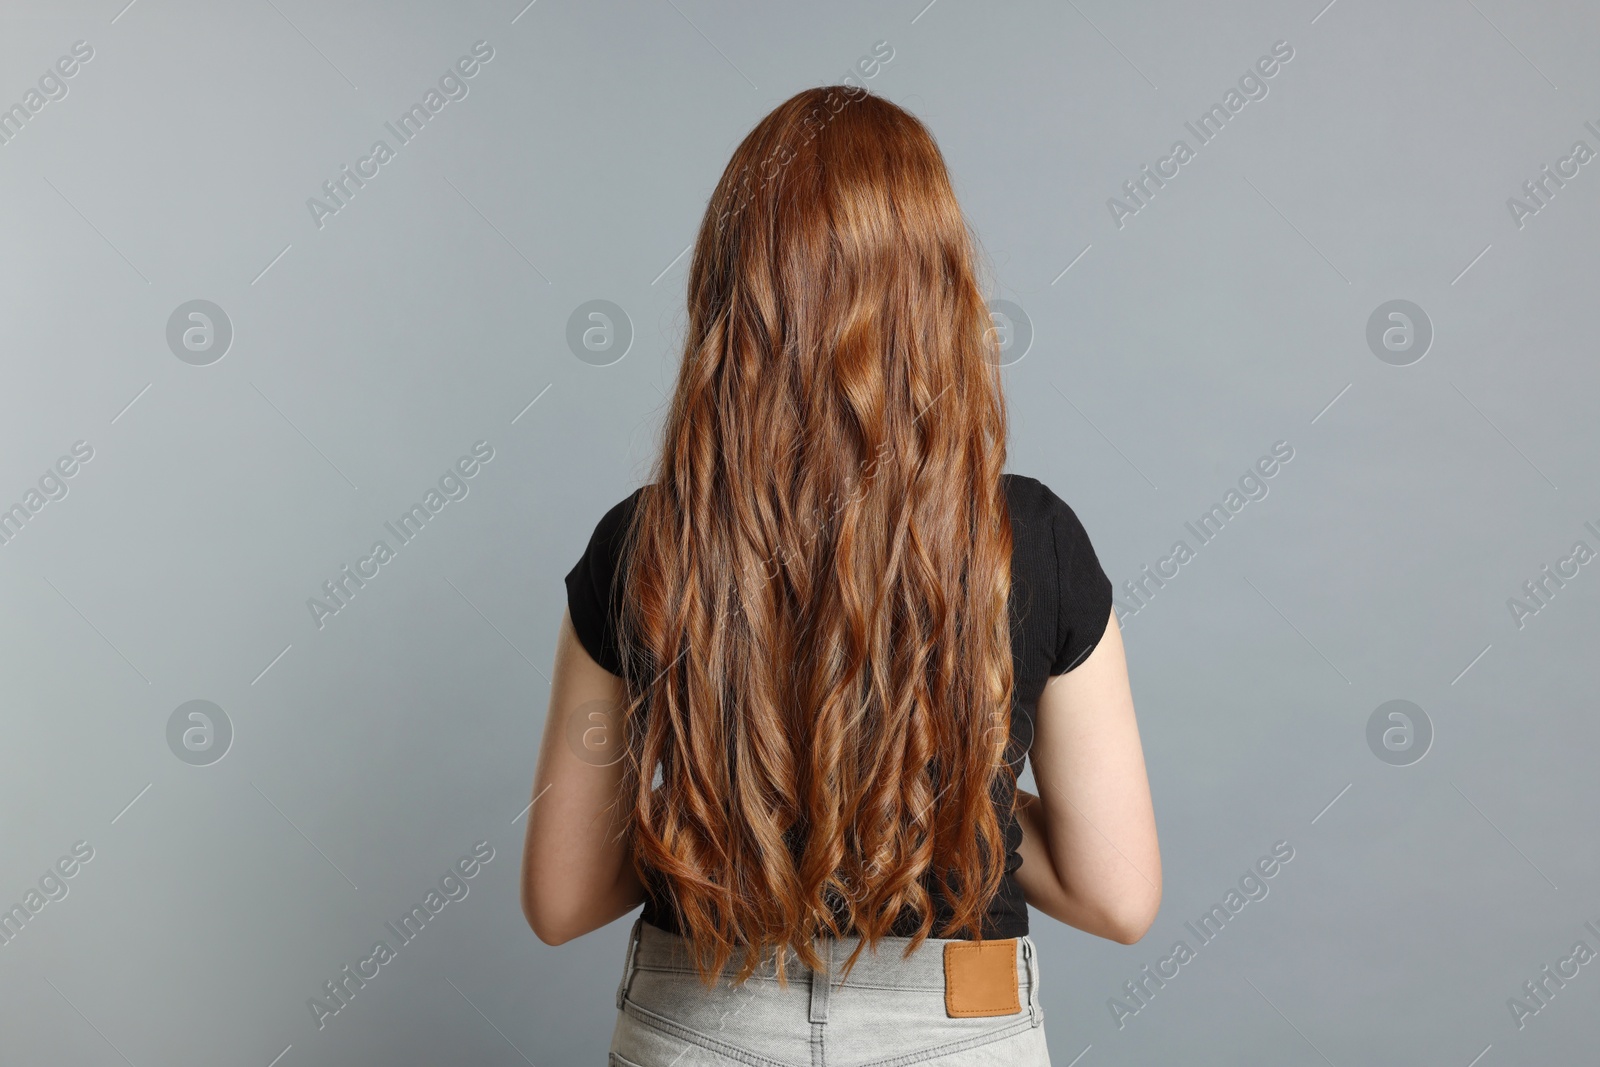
<point>1060,603</point>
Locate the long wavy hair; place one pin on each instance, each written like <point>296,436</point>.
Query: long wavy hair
<point>816,577</point>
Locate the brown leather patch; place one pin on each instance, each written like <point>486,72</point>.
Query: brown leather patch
<point>981,979</point>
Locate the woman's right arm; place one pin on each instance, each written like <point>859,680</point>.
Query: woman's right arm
<point>1089,852</point>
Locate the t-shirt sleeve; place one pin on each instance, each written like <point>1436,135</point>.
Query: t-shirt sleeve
<point>1083,591</point>
<point>593,593</point>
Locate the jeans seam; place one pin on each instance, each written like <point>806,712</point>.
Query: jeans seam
<point>655,968</point>
<point>1035,1009</point>
<point>629,962</point>
<point>661,1023</point>
<point>1021,1026</point>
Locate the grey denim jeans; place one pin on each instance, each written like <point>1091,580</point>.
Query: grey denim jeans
<point>888,1012</point>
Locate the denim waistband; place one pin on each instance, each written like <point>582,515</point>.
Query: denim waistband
<point>887,967</point>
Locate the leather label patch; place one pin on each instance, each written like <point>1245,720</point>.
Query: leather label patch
<point>980,980</point>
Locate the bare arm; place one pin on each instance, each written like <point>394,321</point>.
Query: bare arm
<point>1089,852</point>
<point>577,875</point>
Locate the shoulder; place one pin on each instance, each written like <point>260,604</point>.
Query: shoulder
<point>606,541</point>
<point>614,523</point>
<point>1035,505</point>
<point>1029,499</point>
<point>593,593</point>
<point>1060,551</point>
<point>595,572</point>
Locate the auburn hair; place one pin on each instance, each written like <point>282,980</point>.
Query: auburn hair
<point>816,576</point>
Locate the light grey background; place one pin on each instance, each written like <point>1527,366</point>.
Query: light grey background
<point>369,354</point>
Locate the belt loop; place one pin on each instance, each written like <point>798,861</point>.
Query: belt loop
<point>821,981</point>
<point>1030,952</point>
<point>628,961</point>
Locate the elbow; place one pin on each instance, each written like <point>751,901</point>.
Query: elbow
<point>1129,932</point>
<point>560,909</point>
<point>548,923</point>
<point>550,934</point>
<point>550,929</point>
<point>1128,923</point>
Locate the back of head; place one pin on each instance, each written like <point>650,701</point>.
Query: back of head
<point>817,576</point>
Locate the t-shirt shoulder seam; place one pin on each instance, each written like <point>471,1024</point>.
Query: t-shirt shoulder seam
<point>1060,511</point>
<point>594,624</point>
<point>1062,570</point>
<point>1032,494</point>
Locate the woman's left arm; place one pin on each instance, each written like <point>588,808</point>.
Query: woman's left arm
<point>577,874</point>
